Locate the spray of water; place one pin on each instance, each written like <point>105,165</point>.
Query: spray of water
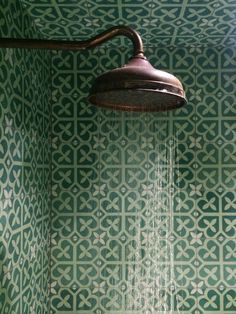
<point>151,279</point>
<point>148,268</point>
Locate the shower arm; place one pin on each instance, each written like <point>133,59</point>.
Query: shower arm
<point>78,45</point>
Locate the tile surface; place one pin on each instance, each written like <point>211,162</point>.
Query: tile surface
<point>136,195</point>
<point>162,23</point>
<point>142,205</point>
<point>24,170</point>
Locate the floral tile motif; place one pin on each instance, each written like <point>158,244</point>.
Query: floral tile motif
<point>141,203</point>
<point>116,213</point>
<point>24,151</point>
<point>161,23</point>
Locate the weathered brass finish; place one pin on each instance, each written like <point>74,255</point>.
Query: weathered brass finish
<point>136,86</point>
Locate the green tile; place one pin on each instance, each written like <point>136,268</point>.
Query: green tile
<point>183,225</point>
<point>228,154</point>
<point>209,225</point>
<point>210,273</point>
<point>62,249</point>
<point>64,129</point>
<point>229,248</point>
<point>228,300</point>
<point>87,176</point>
<point>228,202</point>
<point>183,177</point>
<point>64,225</point>
<point>63,300</point>
<point>85,301</point>
<point>210,300</point>
<point>209,202</point>
<point>228,108</point>
<point>111,253</point>
<point>111,202</point>
<point>228,129</point>
<point>86,225</point>
<point>23,105</point>
<point>105,164</point>
<point>208,177</point>
<point>229,178</point>
<point>229,275</point>
<point>184,251</point>
<point>87,202</point>
<point>208,107</point>
<point>228,226</point>
<point>63,273</point>
<point>183,201</point>
<point>85,251</point>
<point>182,129</point>
<point>209,252</point>
<point>184,301</point>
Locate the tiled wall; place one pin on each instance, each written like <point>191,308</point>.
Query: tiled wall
<point>24,169</point>
<point>104,174</point>
<point>104,170</point>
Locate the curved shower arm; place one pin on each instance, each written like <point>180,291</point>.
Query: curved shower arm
<point>77,45</point>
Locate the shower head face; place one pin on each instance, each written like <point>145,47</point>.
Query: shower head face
<point>145,100</point>
<point>137,87</point>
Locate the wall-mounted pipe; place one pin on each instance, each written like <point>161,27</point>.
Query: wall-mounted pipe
<point>136,86</point>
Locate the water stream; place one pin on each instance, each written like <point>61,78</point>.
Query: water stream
<point>148,261</point>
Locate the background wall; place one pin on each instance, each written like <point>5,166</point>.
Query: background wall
<point>102,171</point>
<point>24,169</point>
<point>103,165</point>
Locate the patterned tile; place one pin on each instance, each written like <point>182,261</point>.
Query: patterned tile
<point>143,206</point>
<point>24,197</point>
<point>143,188</point>
<point>161,23</point>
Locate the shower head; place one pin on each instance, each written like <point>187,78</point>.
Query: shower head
<point>137,86</point>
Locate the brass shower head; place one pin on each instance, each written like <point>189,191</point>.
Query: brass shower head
<point>136,86</point>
